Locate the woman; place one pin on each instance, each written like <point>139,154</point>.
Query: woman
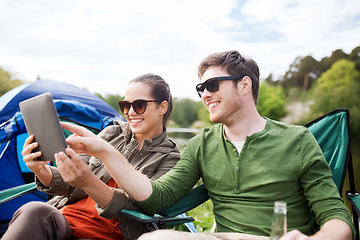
<point>87,197</point>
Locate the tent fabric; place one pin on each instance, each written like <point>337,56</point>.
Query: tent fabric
<point>72,104</point>
<point>9,102</point>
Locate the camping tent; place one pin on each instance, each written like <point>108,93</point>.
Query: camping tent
<point>9,102</point>
<point>72,103</point>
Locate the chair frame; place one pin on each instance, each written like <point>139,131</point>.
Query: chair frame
<point>348,167</point>
<point>198,195</point>
<point>158,220</point>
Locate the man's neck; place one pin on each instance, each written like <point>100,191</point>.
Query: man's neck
<point>245,125</point>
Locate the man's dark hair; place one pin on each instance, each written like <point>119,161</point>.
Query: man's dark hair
<point>234,64</point>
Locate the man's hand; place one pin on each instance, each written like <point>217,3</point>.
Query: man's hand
<point>334,229</point>
<point>295,235</point>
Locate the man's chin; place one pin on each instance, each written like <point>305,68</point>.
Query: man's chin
<point>214,119</point>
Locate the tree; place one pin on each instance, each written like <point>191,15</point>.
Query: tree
<point>327,62</point>
<point>354,56</point>
<point>339,87</point>
<point>204,115</point>
<point>302,73</point>
<point>185,111</point>
<point>271,102</point>
<point>7,81</point>
<point>112,100</point>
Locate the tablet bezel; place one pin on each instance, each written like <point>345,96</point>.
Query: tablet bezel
<point>41,120</point>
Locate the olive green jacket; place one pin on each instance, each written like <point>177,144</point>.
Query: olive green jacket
<point>155,158</point>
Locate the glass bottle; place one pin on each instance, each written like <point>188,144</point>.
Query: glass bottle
<point>279,225</point>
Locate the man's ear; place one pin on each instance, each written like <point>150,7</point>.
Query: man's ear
<point>163,107</point>
<point>245,85</point>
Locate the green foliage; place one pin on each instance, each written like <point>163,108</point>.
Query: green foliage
<point>7,82</point>
<point>302,73</point>
<point>295,94</point>
<point>354,56</point>
<point>185,111</point>
<point>204,217</point>
<point>339,87</point>
<point>327,62</point>
<point>112,100</point>
<point>204,115</point>
<point>271,101</point>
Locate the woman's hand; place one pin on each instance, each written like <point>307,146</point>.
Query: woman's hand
<point>73,170</point>
<point>137,185</point>
<point>30,158</point>
<point>77,173</point>
<point>39,168</point>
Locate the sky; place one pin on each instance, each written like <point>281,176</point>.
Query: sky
<point>102,45</point>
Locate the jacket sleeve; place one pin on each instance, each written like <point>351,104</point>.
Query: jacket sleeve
<point>122,200</point>
<point>57,186</point>
<point>165,166</point>
<point>168,189</point>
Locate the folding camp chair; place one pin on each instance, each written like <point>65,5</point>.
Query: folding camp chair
<point>15,192</point>
<point>332,132</point>
<point>354,198</point>
<point>170,217</point>
<point>29,189</point>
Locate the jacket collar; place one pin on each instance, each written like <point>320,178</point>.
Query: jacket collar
<point>159,143</point>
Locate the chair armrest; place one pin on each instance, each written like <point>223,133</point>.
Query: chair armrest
<point>15,192</point>
<point>156,221</point>
<point>354,199</point>
<point>170,216</point>
<point>192,199</point>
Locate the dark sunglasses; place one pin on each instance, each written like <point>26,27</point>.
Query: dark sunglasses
<point>139,106</point>
<point>212,84</point>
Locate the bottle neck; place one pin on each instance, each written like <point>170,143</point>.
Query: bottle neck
<point>279,223</point>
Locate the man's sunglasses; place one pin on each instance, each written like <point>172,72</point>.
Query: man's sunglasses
<point>212,84</point>
<point>139,106</point>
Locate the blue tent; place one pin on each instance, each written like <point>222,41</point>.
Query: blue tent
<point>72,103</point>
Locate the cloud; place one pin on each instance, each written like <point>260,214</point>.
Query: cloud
<point>101,45</point>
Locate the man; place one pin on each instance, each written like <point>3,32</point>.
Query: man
<point>246,162</point>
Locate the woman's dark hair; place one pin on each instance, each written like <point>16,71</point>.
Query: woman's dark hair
<point>235,64</point>
<point>160,91</point>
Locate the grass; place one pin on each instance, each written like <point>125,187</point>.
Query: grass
<point>203,215</point>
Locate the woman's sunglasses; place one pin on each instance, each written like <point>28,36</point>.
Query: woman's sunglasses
<point>139,106</point>
<point>212,84</point>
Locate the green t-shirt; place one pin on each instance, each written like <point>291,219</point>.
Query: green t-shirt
<point>282,162</point>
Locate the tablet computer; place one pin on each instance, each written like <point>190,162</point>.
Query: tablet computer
<point>42,121</point>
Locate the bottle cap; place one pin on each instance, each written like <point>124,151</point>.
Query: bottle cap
<point>280,207</point>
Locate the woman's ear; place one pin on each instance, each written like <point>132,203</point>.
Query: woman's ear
<point>163,107</point>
